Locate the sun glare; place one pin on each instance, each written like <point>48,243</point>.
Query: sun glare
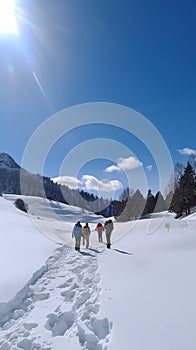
<point>8,23</point>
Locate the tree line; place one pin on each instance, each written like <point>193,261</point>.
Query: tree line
<point>130,206</point>
<point>180,198</point>
<point>135,206</point>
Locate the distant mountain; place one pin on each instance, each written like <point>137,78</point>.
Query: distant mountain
<point>7,162</point>
<point>16,180</point>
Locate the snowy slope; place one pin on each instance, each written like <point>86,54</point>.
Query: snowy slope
<point>22,249</point>
<point>138,295</point>
<point>154,289</point>
<point>55,219</point>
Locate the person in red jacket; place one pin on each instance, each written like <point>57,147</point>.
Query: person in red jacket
<point>100,230</point>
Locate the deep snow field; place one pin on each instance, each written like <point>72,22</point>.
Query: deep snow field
<point>140,295</point>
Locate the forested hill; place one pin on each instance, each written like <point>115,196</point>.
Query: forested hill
<point>16,180</point>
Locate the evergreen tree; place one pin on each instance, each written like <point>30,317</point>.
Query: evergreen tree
<point>119,207</point>
<point>185,193</point>
<point>138,205</point>
<point>150,204</point>
<point>176,203</point>
<point>160,204</point>
<point>131,209</point>
<point>187,187</point>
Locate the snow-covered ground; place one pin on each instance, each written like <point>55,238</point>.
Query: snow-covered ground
<point>138,295</point>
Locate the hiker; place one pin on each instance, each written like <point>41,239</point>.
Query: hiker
<point>86,233</point>
<point>108,227</point>
<point>100,230</point>
<point>77,233</point>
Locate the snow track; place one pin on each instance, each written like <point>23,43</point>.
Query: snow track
<point>70,285</point>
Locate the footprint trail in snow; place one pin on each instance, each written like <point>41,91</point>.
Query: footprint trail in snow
<point>61,307</point>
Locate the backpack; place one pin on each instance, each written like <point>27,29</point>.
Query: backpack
<point>86,230</point>
<point>77,231</point>
<point>99,228</point>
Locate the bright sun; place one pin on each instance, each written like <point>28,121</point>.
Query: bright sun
<point>8,23</point>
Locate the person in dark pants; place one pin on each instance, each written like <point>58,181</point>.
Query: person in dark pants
<point>99,230</point>
<point>108,227</point>
<point>77,233</point>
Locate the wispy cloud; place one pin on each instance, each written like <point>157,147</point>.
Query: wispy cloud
<point>149,168</point>
<point>70,181</point>
<point>92,183</point>
<point>187,151</point>
<point>129,163</point>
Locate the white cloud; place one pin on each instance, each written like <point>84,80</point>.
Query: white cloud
<point>112,168</point>
<point>187,151</point>
<point>149,168</point>
<point>129,163</point>
<point>70,181</point>
<point>89,182</point>
<point>92,183</point>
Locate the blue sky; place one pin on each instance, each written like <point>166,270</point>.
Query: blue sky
<point>140,54</point>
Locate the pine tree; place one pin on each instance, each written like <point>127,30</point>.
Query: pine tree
<point>119,207</point>
<point>132,208</point>
<point>138,205</point>
<point>176,203</point>
<point>150,204</point>
<point>187,187</point>
<point>159,203</point>
<point>185,193</point>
